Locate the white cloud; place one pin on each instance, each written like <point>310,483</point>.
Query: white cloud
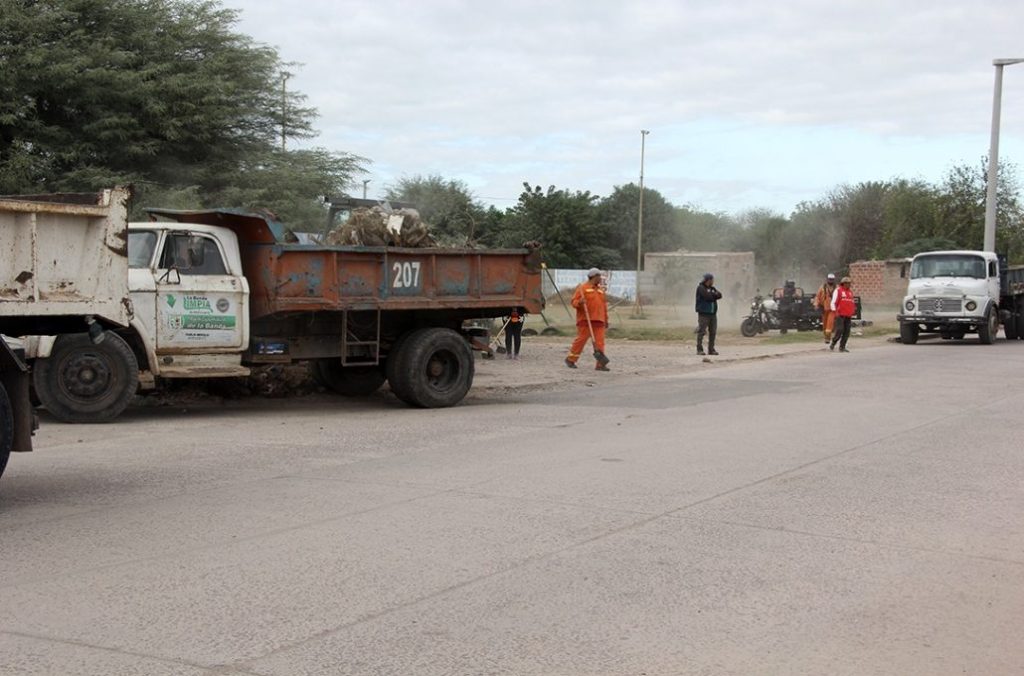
<point>750,103</point>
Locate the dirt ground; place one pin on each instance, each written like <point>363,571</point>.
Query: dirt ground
<point>540,367</point>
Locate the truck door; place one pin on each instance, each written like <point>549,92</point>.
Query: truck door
<point>200,305</point>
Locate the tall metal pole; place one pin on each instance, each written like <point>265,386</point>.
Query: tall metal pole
<point>284,107</point>
<point>365,181</point>
<point>638,310</point>
<point>993,156</point>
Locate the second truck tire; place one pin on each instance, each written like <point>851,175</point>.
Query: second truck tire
<point>431,368</point>
<point>81,382</point>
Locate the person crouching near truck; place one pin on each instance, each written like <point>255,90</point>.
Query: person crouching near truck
<point>823,301</point>
<point>844,305</point>
<point>591,320</point>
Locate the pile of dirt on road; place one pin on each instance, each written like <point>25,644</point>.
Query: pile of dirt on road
<point>278,381</point>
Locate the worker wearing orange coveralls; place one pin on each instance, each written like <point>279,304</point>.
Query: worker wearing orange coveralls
<point>823,301</point>
<point>589,301</point>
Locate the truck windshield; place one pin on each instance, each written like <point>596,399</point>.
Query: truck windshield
<point>948,265</point>
<point>140,248</point>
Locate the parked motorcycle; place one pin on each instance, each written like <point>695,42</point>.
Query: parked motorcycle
<point>787,309</point>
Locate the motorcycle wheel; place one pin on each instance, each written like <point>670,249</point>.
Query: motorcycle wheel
<point>749,327</point>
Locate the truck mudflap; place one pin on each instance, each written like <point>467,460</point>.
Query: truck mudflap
<point>14,376</point>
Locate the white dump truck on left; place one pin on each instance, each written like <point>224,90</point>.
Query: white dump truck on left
<point>64,273</point>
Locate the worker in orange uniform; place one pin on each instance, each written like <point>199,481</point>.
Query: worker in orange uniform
<point>591,320</point>
<point>823,301</point>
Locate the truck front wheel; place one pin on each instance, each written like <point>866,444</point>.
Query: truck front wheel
<point>987,331</point>
<point>908,333</point>
<point>432,368</point>
<point>81,382</point>
<point>6,428</point>
<point>351,381</point>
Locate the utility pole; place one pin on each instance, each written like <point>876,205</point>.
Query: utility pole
<point>993,156</point>
<point>365,181</point>
<point>284,106</point>
<point>638,308</point>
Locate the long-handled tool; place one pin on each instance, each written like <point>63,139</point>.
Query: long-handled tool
<point>557,290</point>
<point>497,347</point>
<point>598,354</point>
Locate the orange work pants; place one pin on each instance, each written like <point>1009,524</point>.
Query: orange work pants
<point>828,318</point>
<point>582,336</point>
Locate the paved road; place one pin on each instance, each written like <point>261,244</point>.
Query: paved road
<point>817,514</point>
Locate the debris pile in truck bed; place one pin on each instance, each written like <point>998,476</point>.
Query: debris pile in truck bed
<point>382,226</point>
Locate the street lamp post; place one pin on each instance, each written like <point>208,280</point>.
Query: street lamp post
<point>365,182</point>
<point>993,155</point>
<point>638,309</point>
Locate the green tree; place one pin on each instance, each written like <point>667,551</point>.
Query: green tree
<point>163,93</point>
<point>446,204</point>
<point>566,223</point>
<point>911,214</point>
<point>619,212</point>
<point>962,196</point>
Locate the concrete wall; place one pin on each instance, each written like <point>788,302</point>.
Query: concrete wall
<point>881,285</point>
<point>670,278</point>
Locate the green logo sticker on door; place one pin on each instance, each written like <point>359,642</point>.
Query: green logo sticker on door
<point>170,300</point>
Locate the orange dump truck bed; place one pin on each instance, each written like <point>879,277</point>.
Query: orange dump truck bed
<point>288,278</point>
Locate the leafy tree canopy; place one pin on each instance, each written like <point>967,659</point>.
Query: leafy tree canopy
<point>163,93</point>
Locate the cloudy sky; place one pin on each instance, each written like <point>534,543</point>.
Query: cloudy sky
<point>749,103</point>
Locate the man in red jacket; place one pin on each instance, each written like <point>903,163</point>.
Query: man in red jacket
<point>844,305</point>
<point>591,320</point>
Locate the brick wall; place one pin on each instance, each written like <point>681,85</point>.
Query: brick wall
<point>880,284</point>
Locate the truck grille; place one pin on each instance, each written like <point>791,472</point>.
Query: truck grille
<point>941,304</point>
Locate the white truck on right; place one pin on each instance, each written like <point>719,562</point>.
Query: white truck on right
<point>953,293</point>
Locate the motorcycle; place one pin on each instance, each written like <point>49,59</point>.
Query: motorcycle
<point>786,309</point>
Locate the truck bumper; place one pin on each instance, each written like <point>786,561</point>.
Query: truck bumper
<point>939,321</point>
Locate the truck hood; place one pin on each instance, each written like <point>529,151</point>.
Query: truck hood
<point>947,286</point>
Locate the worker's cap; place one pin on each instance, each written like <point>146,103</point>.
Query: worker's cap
<point>845,280</point>
<point>831,277</point>
<point>707,276</point>
<point>593,272</point>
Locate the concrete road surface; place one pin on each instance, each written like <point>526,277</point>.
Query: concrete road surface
<point>816,514</point>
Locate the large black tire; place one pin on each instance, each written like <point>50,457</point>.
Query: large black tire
<point>433,368</point>
<point>6,428</point>
<point>749,327</point>
<point>987,331</point>
<point>391,366</point>
<point>351,381</point>
<point>1010,328</point>
<point>908,333</point>
<point>85,383</point>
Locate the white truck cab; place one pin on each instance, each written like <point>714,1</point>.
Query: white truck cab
<point>952,293</point>
<point>190,297</point>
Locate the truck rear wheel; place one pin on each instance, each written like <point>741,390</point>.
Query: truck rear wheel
<point>81,382</point>
<point>987,331</point>
<point>351,381</point>
<point>908,333</point>
<point>432,368</point>
<point>6,428</point>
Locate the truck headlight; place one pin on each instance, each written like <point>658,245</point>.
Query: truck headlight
<point>971,306</point>
<point>909,305</point>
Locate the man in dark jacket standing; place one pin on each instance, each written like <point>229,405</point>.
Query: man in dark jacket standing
<point>707,313</point>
